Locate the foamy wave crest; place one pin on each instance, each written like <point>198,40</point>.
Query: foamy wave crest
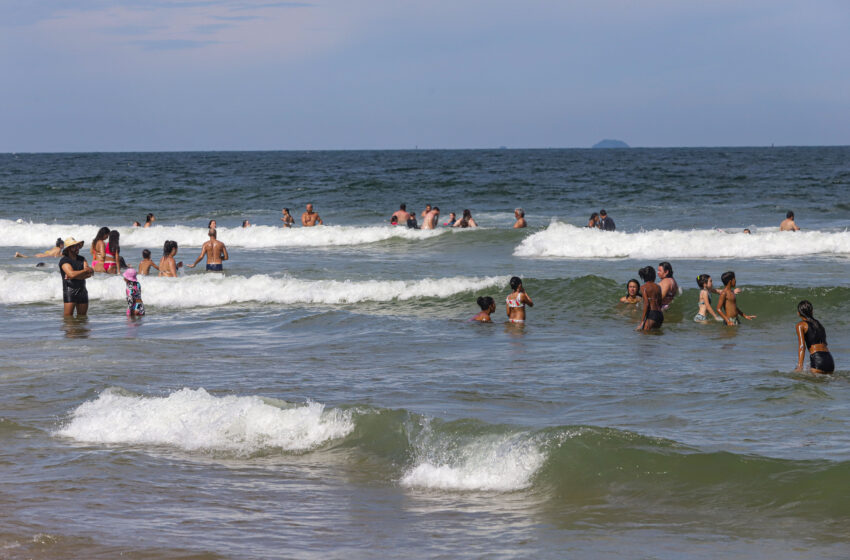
<point>567,241</point>
<point>43,236</point>
<point>213,290</point>
<point>500,463</point>
<point>195,420</point>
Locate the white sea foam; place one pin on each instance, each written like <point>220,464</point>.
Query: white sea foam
<point>195,420</point>
<point>567,241</point>
<point>501,463</point>
<point>43,236</point>
<point>213,290</point>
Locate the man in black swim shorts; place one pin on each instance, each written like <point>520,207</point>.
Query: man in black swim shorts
<point>74,270</point>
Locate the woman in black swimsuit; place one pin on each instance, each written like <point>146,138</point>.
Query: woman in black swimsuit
<point>812,335</point>
<point>653,317</point>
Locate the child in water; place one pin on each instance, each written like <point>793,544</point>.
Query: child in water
<point>135,307</point>
<point>488,306</point>
<point>727,307</point>
<point>146,264</point>
<point>706,286</point>
<point>632,293</point>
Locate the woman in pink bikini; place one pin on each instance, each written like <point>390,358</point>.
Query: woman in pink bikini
<point>517,301</point>
<point>111,253</point>
<point>98,249</point>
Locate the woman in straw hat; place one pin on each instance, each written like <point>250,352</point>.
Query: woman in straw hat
<point>74,270</point>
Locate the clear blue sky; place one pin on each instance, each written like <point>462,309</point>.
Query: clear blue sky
<point>86,75</point>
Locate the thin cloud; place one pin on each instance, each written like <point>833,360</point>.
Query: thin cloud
<point>172,44</point>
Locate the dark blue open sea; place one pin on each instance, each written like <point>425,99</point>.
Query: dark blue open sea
<point>326,397</point>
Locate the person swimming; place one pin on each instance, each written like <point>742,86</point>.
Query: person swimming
<point>812,335</point>
<point>632,292</point>
<point>55,251</point>
<point>652,317</point>
<point>517,300</point>
<point>488,306</point>
<point>706,286</point>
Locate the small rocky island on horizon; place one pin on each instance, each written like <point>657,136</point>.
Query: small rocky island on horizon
<point>611,144</point>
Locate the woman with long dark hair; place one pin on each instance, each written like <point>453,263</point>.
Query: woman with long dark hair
<point>112,252</point>
<point>812,335</point>
<point>167,265</point>
<point>466,220</point>
<point>98,249</point>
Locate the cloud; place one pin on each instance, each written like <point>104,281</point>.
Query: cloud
<point>172,44</point>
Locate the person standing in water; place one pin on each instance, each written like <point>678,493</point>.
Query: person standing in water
<point>431,218</point>
<point>287,218</point>
<point>135,307</point>
<point>517,300</point>
<point>519,215</point>
<point>788,224</point>
<point>706,286</point>
<point>653,316</point>
<point>167,265</point>
<point>605,222</point>
<point>632,292</point>
<point>146,263</point>
<point>466,220</point>
<point>310,218</point>
<point>488,306</point>
<point>74,271</point>
<point>727,306</point>
<point>98,249</point>
<point>812,335</point>
<point>112,253</point>
<point>669,286</point>
<point>215,252</point>
<point>149,220</point>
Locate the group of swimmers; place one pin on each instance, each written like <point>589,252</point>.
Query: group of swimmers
<point>431,216</point>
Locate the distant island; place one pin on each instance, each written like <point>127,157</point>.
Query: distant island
<point>611,144</point>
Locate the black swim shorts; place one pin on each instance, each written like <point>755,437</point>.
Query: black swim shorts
<point>215,267</point>
<point>822,361</point>
<point>75,295</point>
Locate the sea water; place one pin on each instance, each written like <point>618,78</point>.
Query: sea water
<point>327,397</point>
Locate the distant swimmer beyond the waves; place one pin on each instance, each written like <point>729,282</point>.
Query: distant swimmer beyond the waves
<point>653,316</point>
<point>605,222</point>
<point>215,252</point>
<point>812,335</point>
<point>53,252</point>
<point>516,301</point>
<point>519,216</point>
<point>788,224</point>
<point>74,270</point>
<point>727,306</point>
<point>310,218</point>
<point>488,306</point>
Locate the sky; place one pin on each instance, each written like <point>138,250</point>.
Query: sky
<point>162,75</point>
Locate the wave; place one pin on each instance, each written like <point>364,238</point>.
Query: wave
<point>194,420</point>
<point>213,290</point>
<point>42,236</point>
<point>561,240</point>
<point>569,464</point>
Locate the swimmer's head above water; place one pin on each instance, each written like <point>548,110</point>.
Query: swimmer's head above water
<point>647,274</point>
<point>702,280</point>
<point>486,302</point>
<point>516,283</point>
<point>727,277</point>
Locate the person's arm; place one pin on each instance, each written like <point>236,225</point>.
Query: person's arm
<point>745,316</point>
<point>645,310</point>
<point>472,222</point>
<point>224,255</point>
<point>802,328</point>
<point>117,262</point>
<point>153,265</point>
<point>203,252</point>
<point>319,220</point>
<point>704,298</point>
<point>304,219</point>
<point>72,274</point>
<point>524,295</point>
<point>665,289</point>
<point>721,305</point>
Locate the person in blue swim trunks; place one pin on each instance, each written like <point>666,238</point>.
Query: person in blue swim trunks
<point>215,252</point>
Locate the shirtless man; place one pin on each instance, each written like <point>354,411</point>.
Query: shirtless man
<point>653,316</point>
<point>310,218</point>
<point>430,221</point>
<point>215,251</point>
<point>788,223</point>
<point>727,305</point>
<point>146,263</point>
<point>401,215</point>
<point>669,287</point>
<point>519,214</point>
<point>425,212</point>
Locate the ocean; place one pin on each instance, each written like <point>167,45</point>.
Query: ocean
<point>327,396</point>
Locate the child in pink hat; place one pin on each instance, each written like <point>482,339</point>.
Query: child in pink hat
<point>135,307</point>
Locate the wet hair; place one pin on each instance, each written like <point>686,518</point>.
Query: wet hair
<point>114,245</point>
<point>603,213</point>
<point>121,262</point>
<point>805,309</point>
<point>647,274</point>
<point>668,268</point>
<point>629,282</point>
<point>394,220</point>
<point>148,218</point>
<point>520,211</point>
<point>402,206</point>
<point>102,233</point>
<point>146,254</point>
<point>286,210</point>
<point>437,208</point>
<point>702,279</point>
<point>789,214</point>
<point>466,213</point>
<point>746,230</point>
<point>515,282</point>
<point>59,242</point>
<point>212,233</point>
<point>168,246</point>
<point>594,216</point>
<point>484,302</point>
<point>727,277</point>
<point>209,225</point>
<point>245,223</point>
<point>136,224</point>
